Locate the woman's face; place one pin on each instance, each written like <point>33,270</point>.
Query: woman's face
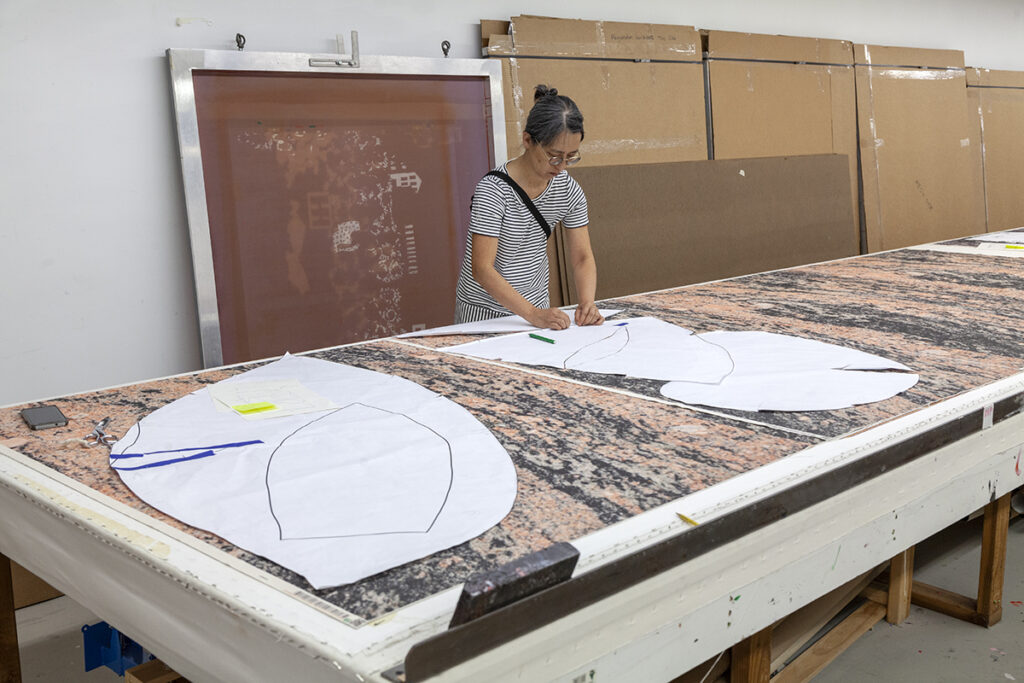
<point>565,146</point>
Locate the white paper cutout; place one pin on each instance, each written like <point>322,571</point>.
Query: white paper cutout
<point>998,249</point>
<point>509,323</point>
<point>766,352</point>
<point>1006,237</point>
<point>637,347</point>
<point>396,473</point>
<point>740,370</point>
<point>780,372</point>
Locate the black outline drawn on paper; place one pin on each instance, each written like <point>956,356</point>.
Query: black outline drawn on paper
<point>565,363</point>
<point>732,362</point>
<point>447,493</point>
<point>266,477</point>
<point>845,368</point>
<point>624,326</point>
<point>138,432</point>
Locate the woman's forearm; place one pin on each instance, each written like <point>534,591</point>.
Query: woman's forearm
<point>585,277</point>
<point>504,293</point>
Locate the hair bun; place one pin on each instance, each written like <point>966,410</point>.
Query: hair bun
<point>544,91</point>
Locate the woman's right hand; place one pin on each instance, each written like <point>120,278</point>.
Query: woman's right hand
<point>548,319</point>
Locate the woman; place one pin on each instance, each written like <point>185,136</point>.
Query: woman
<point>505,269</point>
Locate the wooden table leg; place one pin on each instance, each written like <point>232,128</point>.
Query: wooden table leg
<point>987,609</point>
<point>815,658</point>
<point>993,560</point>
<point>752,659</point>
<point>10,660</point>
<point>901,583</point>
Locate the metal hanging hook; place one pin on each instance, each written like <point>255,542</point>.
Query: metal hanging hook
<point>445,46</point>
<point>240,41</point>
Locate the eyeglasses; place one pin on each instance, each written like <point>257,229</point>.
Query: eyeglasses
<point>559,159</point>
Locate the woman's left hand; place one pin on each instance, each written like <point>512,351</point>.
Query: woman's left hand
<point>588,314</point>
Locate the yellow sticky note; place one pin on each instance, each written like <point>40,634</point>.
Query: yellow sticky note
<point>249,408</point>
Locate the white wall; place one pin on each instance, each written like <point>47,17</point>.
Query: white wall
<point>95,272</point>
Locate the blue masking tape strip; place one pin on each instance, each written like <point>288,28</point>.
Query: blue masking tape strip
<point>184,450</point>
<point>210,450</point>
<point>204,454</point>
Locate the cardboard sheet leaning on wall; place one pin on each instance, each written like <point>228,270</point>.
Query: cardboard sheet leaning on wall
<point>640,86</point>
<point>782,95</point>
<point>656,226</point>
<point>996,101</point>
<point>919,171</point>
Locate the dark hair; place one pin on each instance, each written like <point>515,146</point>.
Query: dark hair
<point>551,115</point>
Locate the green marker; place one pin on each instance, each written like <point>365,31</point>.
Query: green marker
<point>543,339</point>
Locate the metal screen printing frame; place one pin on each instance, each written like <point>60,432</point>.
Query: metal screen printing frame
<point>183,65</point>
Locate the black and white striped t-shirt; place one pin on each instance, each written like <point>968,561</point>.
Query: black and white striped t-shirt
<point>522,257</point>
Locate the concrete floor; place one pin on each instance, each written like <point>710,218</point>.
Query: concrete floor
<point>50,640</point>
<point>927,647</point>
<point>933,647</point>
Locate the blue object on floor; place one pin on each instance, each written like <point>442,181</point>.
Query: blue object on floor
<point>104,645</point>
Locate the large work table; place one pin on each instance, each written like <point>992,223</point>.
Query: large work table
<point>788,506</point>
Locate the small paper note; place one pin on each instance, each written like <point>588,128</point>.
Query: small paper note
<point>264,400</point>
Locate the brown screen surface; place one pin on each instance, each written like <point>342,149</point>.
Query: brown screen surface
<point>338,203</point>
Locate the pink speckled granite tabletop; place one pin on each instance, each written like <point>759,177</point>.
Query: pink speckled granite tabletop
<point>952,318</point>
<point>587,457</point>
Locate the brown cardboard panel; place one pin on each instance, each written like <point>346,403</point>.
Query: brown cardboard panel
<point>491,27</point>
<point>553,37</point>
<point>29,588</point>
<point>999,112</point>
<point>516,108</point>
<point>919,173</point>
<point>633,112</point>
<point>732,45</point>
<point>498,45</point>
<point>885,55</point>
<point>773,109</point>
<point>974,133</point>
<point>769,109</point>
<point>655,226</point>
<point>991,78</point>
<point>497,29</point>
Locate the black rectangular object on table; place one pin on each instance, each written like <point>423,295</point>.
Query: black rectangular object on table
<point>488,591</point>
<point>44,417</point>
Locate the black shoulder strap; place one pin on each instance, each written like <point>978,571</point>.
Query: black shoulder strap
<point>526,200</point>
